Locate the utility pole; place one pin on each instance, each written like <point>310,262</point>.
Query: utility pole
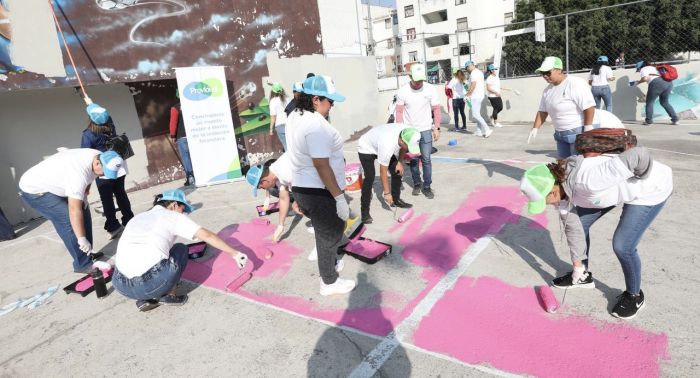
<point>370,37</point>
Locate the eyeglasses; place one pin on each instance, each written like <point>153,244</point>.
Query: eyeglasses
<point>546,73</point>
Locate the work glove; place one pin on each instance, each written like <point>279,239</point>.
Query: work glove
<point>577,274</point>
<point>266,203</point>
<point>533,135</point>
<point>341,207</point>
<point>587,128</point>
<point>241,259</point>
<point>278,233</point>
<point>84,245</point>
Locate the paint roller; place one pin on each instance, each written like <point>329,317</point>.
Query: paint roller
<point>240,277</point>
<point>404,217</point>
<point>547,298</point>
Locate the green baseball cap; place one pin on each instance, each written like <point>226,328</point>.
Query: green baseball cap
<point>277,88</point>
<point>417,72</point>
<point>550,63</point>
<point>411,136</point>
<point>536,184</point>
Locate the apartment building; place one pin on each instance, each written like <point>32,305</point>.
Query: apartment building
<point>438,32</point>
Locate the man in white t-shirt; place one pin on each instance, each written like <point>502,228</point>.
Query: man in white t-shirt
<point>387,144</point>
<point>658,88</point>
<point>57,188</point>
<point>476,96</point>
<point>417,106</point>
<point>275,177</point>
<point>568,101</point>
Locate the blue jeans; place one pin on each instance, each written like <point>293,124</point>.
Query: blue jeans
<point>281,135</point>
<point>458,108</point>
<point>602,92</point>
<point>157,281</point>
<point>566,142</point>
<point>109,189</point>
<point>426,148</point>
<point>55,209</point>
<point>662,89</point>
<point>635,219</point>
<point>185,156</point>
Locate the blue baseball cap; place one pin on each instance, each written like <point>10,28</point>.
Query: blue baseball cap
<point>639,65</point>
<point>97,114</point>
<point>253,177</point>
<point>112,164</point>
<point>491,67</point>
<point>603,58</point>
<point>322,85</point>
<point>179,196</point>
<point>468,63</point>
<point>298,87</point>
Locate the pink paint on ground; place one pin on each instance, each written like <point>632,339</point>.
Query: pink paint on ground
<point>395,227</point>
<point>539,221</point>
<point>491,322</point>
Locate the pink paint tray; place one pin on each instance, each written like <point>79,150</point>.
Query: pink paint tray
<point>196,250</point>
<point>83,285</point>
<point>367,250</point>
<point>274,207</point>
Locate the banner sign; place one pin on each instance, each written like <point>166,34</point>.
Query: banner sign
<point>206,112</point>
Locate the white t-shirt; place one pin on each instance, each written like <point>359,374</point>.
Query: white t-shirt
<point>277,109</point>
<point>604,181</point>
<point>495,82</point>
<point>65,174</point>
<point>383,141</point>
<point>566,102</point>
<point>418,111</point>
<point>457,88</point>
<point>603,119</point>
<point>148,237</point>
<point>650,72</point>
<point>313,137</point>
<point>476,79</point>
<point>282,168</point>
<point>601,79</point>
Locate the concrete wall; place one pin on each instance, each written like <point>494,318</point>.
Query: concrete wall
<point>36,122</point>
<point>342,27</point>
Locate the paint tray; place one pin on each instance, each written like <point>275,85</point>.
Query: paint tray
<point>367,250</point>
<point>240,277</point>
<point>273,208</point>
<point>83,285</point>
<point>196,250</point>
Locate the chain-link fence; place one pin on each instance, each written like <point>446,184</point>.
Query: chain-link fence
<point>652,30</point>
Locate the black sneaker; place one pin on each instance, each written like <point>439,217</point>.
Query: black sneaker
<point>173,300</point>
<point>416,190</point>
<point>428,193</point>
<point>146,304</point>
<point>565,281</point>
<point>628,305</point>
<point>402,204</point>
<point>367,219</point>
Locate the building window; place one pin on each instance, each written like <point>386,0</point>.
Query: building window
<point>508,18</point>
<point>413,56</point>
<point>387,23</point>
<point>462,24</point>
<point>460,2</point>
<point>434,17</point>
<point>390,43</point>
<point>408,11</point>
<point>410,34</point>
<point>464,49</point>
<point>394,18</point>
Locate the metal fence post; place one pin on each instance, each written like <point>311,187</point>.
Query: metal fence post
<point>459,51</point>
<point>566,27</point>
<point>469,46</point>
<point>425,61</point>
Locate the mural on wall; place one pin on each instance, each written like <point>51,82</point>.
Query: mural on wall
<point>6,65</point>
<point>685,99</point>
<point>140,42</point>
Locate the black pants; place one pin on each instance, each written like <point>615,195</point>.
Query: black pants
<point>458,108</point>
<point>319,206</point>
<point>367,161</point>
<point>107,189</point>
<point>497,104</point>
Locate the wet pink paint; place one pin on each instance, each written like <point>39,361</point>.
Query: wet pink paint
<point>503,326</point>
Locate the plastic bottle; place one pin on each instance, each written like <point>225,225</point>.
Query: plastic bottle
<point>98,282</point>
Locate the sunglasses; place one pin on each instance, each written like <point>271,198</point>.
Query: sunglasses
<point>330,101</point>
<point>546,73</point>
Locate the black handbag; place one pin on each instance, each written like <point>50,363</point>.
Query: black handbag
<point>121,145</point>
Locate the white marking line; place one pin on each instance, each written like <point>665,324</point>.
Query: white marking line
<point>673,152</point>
<point>374,360</point>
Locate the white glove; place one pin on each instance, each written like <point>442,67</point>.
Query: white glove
<point>266,203</point>
<point>341,207</point>
<point>577,273</point>
<point>278,233</point>
<point>84,244</point>
<point>241,259</point>
<point>533,135</point>
<point>587,127</point>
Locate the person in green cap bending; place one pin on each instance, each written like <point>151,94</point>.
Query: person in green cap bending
<point>278,117</point>
<point>568,101</point>
<point>585,189</point>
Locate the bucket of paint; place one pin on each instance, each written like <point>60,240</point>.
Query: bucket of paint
<point>353,177</point>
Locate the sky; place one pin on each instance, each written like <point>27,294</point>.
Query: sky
<point>384,3</point>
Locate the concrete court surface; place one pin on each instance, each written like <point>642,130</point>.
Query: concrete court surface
<point>457,291</point>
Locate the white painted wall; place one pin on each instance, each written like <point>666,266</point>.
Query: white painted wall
<point>342,29</point>
<point>34,123</point>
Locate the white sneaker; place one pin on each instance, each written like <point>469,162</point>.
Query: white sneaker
<point>313,256</point>
<point>498,125</point>
<point>488,133</point>
<point>339,265</point>
<point>478,134</point>
<point>340,286</point>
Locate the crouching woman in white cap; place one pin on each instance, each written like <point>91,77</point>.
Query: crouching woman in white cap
<point>149,263</point>
<point>585,189</point>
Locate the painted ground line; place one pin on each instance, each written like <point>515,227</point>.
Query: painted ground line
<point>673,152</point>
<point>450,159</point>
<point>378,356</point>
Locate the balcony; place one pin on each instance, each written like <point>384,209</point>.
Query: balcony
<point>435,17</point>
<point>438,40</point>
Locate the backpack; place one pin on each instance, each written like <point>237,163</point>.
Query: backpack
<point>667,72</point>
<point>605,141</point>
<point>121,145</point>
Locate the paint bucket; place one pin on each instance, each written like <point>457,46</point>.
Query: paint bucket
<point>353,177</point>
